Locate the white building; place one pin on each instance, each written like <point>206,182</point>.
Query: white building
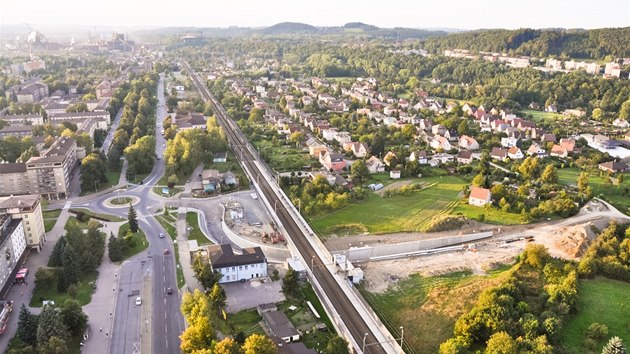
<point>237,267</point>
<point>27,208</point>
<point>12,246</point>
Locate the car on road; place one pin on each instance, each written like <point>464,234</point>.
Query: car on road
<point>138,301</point>
<point>161,235</point>
<point>169,291</point>
<point>166,251</point>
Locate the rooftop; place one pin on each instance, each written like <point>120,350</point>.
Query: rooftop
<point>222,256</point>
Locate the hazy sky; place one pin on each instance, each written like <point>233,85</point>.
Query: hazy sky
<point>463,14</point>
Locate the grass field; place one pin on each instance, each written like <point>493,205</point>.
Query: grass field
<point>84,293</point>
<point>604,301</point>
<point>105,217</point>
<point>195,232</point>
<point>539,116</point>
<point>168,224</point>
<point>112,179</point>
<point>610,193</point>
<point>492,216</point>
<point>50,218</point>
<point>179,271</point>
<point>284,158</point>
<point>397,213</point>
<point>428,307</point>
<point>139,241</point>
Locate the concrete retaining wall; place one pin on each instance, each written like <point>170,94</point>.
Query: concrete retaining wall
<point>369,252</point>
<point>272,253</point>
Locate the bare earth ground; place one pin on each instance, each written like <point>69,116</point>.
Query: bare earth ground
<point>566,238</point>
<point>394,185</point>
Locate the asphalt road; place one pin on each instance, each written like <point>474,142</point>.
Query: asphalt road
<point>110,135</point>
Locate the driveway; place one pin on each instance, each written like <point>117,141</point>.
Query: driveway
<point>247,295</point>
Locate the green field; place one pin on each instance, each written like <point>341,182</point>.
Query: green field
<point>603,301</point>
<point>195,232</point>
<point>428,307</point>
<point>492,215</point>
<point>168,223</point>
<point>610,193</point>
<point>539,116</point>
<point>105,217</point>
<point>50,218</point>
<point>112,179</point>
<point>283,158</point>
<point>139,241</point>
<point>398,213</point>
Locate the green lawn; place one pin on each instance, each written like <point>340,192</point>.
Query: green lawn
<point>139,241</point>
<point>168,225</point>
<point>171,191</point>
<point>428,307</point>
<point>195,232</point>
<point>84,294</point>
<point>539,116</point>
<point>604,301</point>
<point>105,217</point>
<point>283,158</point>
<point>376,214</point>
<point>618,196</point>
<point>178,270</point>
<point>50,218</point>
<point>492,215</point>
<point>112,179</point>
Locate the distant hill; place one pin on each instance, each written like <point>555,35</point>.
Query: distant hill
<point>289,28</point>
<point>360,25</point>
<point>574,43</point>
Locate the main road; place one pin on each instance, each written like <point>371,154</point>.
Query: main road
<point>365,338</point>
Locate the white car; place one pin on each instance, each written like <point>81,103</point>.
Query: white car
<point>138,301</point>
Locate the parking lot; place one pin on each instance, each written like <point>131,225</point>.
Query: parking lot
<point>247,295</point>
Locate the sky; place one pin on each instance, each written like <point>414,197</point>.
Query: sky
<point>458,14</point>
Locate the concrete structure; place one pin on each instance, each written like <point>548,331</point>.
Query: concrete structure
<point>104,90</point>
<point>50,174</point>
<point>18,131</point>
<point>251,264</point>
<point>30,119</point>
<point>28,209</point>
<point>78,117</point>
<point>12,246</point>
<point>280,326</point>
<point>479,196</point>
<point>14,179</point>
<point>32,93</point>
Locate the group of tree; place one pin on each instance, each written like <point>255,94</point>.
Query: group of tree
<point>201,312</point>
<point>203,271</point>
<point>138,102</point>
<point>74,255</point>
<point>608,254</point>
<point>50,331</point>
<point>520,314</point>
<point>117,247</point>
<point>318,196</point>
<point>191,147</point>
<point>93,171</point>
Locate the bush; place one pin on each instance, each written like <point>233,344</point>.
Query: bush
<point>444,223</point>
<point>597,332</point>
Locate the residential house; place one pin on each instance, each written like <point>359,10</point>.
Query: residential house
<point>104,90</point>
<point>229,178</point>
<point>358,149</point>
<point>498,154</point>
<point>614,167</point>
<point>389,157</point>
<point>444,157</point>
<point>465,157</point>
<point>342,138</point>
<point>374,165</point>
<point>548,138</point>
<point>332,161</point>
<point>420,156</point>
<point>479,196</point>
<point>251,264</point>
<point>559,151</point>
<point>32,93</point>
<point>569,144</point>
<point>468,143</point>
<point>536,150</point>
<point>329,134</point>
<point>23,119</point>
<point>451,135</point>
<point>315,150</point>
<point>552,108</point>
<point>211,181</point>
<point>190,120</point>
<point>620,123</point>
<point>426,124</point>
<point>438,129</point>
<point>509,142</point>
<point>515,153</point>
<point>280,325</point>
<point>440,142</point>
<point>394,174</point>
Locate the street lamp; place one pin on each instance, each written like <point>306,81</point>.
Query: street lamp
<point>363,348</point>
<point>402,335</point>
<point>312,263</point>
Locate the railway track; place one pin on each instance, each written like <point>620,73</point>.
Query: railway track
<point>348,313</point>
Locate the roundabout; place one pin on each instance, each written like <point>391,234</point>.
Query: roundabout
<point>121,201</point>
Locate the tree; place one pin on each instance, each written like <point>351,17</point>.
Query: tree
<point>218,297</point>
<point>93,172</point>
<point>549,175</point>
<point>359,171</point>
<point>74,317</point>
<point>27,326</point>
<point>141,155</point>
<point>259,344</point>
<point>203,272</point>
<point>535,255</point>
<point>290,282</point>
<point>114,249</point>
<point>227,346</point>
<point>198,335</point>
<point>133,219</point>
<point>624,111</point>
<point>57,252</point>
<point>455,345</point>
<point>582,182</point>
<point>337,345</point>
<point>99,137</point>
<point>501,343</point>
<point>54,345</point>
<point>28,153</point>
<point>597,114</point>
<point>50,325</point>
<point>71,270</point>
<point>597,331</point>
<point>479,180</point>
<point>615,346</point>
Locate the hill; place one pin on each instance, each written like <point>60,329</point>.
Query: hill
<point>574,43</point>
<point>289,28</point>
<point>360,25</point>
